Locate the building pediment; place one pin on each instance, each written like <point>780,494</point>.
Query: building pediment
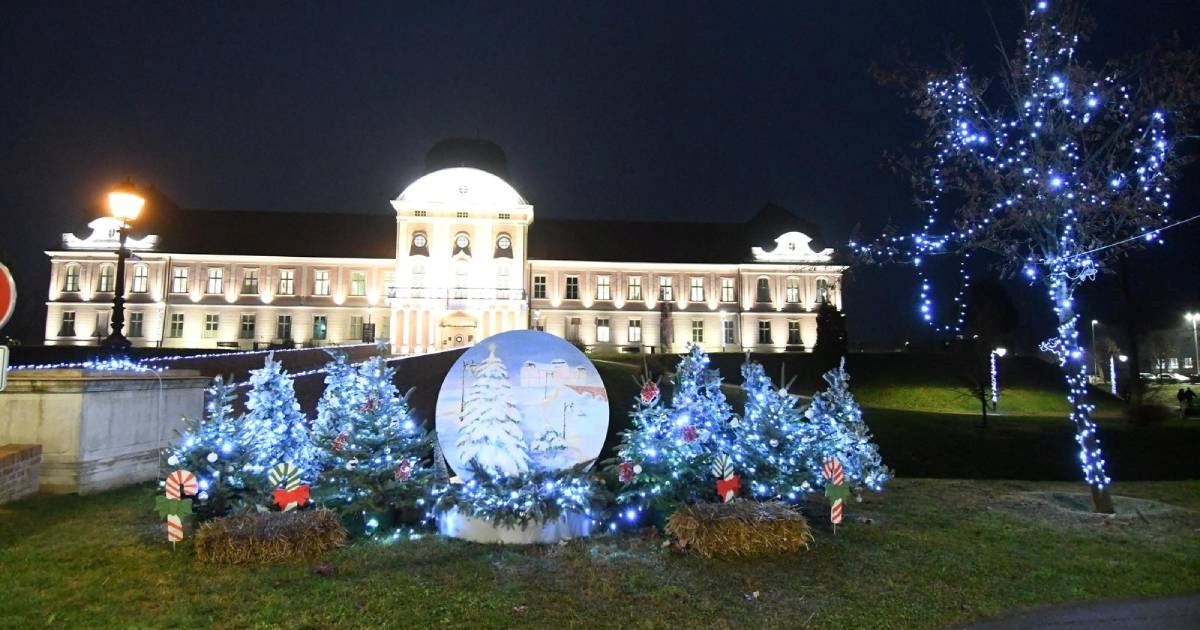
<point>105,235</point>
<point>792,247</point>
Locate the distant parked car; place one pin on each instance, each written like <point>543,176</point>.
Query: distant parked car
<point>1172,377</point>
<point>1147,377</point>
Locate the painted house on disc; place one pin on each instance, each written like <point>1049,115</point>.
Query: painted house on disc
<point>459,257</point>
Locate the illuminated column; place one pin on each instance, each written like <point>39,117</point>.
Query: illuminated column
<point>432,331</point>
<point>400,324</point>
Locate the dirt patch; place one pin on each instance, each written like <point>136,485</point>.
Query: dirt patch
<point>1074,510</point>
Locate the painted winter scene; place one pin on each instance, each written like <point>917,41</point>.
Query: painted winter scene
<point>521,401</point>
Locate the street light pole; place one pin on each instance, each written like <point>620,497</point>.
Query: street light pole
<point>1095,355</point>
<point>125,204</point>
<point>1194,318</point>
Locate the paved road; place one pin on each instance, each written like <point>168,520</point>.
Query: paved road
<point>1168,613</point>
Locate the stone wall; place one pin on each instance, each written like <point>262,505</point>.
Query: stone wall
<point>19,467</point>
<point>97,430</point>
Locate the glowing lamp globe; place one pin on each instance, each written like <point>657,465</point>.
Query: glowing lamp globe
<point>125,205</point>
<point>1000,352</point>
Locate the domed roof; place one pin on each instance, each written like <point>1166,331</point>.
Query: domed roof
<point>461,186</point>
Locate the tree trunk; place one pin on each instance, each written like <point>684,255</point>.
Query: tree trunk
<point>983,404</point>
<point>1131,332</point>
<point>1070,357</point>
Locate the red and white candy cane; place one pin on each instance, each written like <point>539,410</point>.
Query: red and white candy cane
<point>179,483</point>
<point>833,471</point>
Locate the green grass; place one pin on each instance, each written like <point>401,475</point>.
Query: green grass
<point>936,553</point>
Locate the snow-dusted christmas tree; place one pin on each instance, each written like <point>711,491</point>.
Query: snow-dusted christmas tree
<point>491,422</point>
<point>377,452</point>
<point>274,429</point>
<point>211,447</point>
<point>836,428</point>
<point>774,435</point>
<point>335,406</point>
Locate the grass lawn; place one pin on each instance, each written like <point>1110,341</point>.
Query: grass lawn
<point>935,553</point>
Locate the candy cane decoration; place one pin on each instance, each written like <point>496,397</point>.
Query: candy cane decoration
<point>835,490</point>
<point>728,483</point>
<point>179,483</point>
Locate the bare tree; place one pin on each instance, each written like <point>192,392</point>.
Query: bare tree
<point>1055,167</point>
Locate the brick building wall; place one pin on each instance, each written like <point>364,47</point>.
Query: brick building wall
<point>20,465</point>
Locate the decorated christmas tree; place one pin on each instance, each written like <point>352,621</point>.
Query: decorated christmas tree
<point>773,434</point>
<point>212,449</point>
<point>376,450</point>
<point>491,422</point>
<point>835,429</point>
<point>336,404</point>
<point>665,458</point>
<point>273,428</point>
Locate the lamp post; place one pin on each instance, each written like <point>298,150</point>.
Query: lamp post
<point>997,353</point>
<point>1194,318</point>
<point>1095,355</point>
<point>125,204</point>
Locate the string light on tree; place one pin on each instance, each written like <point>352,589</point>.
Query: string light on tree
<point>998,353</point>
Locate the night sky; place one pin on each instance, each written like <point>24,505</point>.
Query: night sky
<point>687,111</point>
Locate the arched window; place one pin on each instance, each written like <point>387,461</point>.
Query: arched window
<point>420,245</point>
<point>793,290</point>
<point>71,277</point>
<point>503,246</point>
<point>141,279</point>
<point>104,282</point>
<point>822,291</point>
<point>462,244</point>
<point>763,293</point>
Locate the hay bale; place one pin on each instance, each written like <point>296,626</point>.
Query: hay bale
<point>739,528</point>
<point>269,537</point>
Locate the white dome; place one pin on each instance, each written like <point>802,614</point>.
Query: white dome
<point>461,187</point>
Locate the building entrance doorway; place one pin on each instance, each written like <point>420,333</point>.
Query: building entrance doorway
<point>457,330</point>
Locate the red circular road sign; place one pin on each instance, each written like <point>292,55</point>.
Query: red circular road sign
<point>8,295</point>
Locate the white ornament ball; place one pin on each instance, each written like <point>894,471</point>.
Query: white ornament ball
<point>212,457</point>
<point>173,461</point>
<point>735,423</point>
<point>352,464</point>
<point>203,496</point>
<point>774,443</point>
<point>637,469</point>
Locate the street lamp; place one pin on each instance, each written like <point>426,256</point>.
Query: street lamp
<point>997,353</point>
<point>1193,318</point>
<point>1095,355</point>
<point>124,204</point>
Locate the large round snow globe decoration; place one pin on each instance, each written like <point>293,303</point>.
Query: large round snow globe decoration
<point>517,403</point>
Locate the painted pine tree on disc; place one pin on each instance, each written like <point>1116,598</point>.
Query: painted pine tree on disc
<point>491,432</point>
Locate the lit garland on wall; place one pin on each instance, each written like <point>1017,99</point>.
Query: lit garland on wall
<point>382,344</point>
<point>108,364</point>
<point>1073,168</point>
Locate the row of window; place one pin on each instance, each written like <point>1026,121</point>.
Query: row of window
<point>212,325</point>
<point>214,282</point>
<point>419,245</point>
<point>666,289</point>
<point>633,332</point>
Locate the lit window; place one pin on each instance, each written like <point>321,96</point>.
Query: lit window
<point>697,290</point>
<point>175,331</point>
<point>247,329</point>
<point>635,331</point>
<point>212,325</point>
<point>283,327</point>
<point>71,281</point>
<point>66,327</point>
<point>501,280</point>
<point>764,332</point>
<point>573,329</point>
<point>287,282</point>
<point>320,327</point>
<point>727,330</point>
<point>461,214</point>
<point>572,288</point>
<point>504,216</point>
<point>727,293</point>
<point>321,282</point>
<point>216,280</point>
<point>793,333</point>
<point>792,291</point>
<point>635,288</point>
<point>697,331</point>
<point>179,280</point>
<point>666,288</point>
<point>460,282</point>
<point>136,324</point>
<point>539,287</point>
<point>420,213</point>
<point>107,273</point>
<point>358,283</point>
<point>603,288</point>
<point>141,279</point>
<point>763,293</point>
<point>356,327</point>
<point>250,282</point>
<point>602,330</point>
<point>822,291</point>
